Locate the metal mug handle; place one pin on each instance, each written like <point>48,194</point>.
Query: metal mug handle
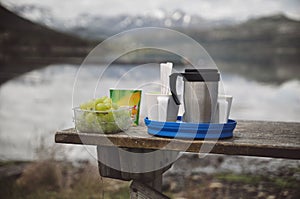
<point>173,80</point>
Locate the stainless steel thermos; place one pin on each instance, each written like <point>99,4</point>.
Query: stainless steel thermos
<point>200,94</point>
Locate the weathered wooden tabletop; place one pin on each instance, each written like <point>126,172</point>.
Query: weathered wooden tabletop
<point>251,138</point>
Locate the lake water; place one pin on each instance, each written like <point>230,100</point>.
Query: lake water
<point>35,105</point>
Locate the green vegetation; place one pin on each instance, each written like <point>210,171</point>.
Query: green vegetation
<point>242,178</point>
<point>11,162</point>
<point>58,180</point>
<point>62,180</point>
<point>274,181</point>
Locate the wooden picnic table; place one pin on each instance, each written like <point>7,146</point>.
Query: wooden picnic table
<point>251,138</point>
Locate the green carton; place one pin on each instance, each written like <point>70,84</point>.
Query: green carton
<point>131,98</point>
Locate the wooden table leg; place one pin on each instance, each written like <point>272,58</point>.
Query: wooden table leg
<point>142,183</point>
<point>140,190</point>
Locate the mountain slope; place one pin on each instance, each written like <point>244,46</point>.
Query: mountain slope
<point>263,40</point>
<point>25,43</point>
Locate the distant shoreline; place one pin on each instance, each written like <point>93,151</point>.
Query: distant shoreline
<point>276,72</point>
<point>17,67</point>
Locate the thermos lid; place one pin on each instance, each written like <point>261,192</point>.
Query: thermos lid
<point>201,75</point>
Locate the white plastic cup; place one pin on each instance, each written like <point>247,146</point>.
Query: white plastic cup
<point>161,107</point>
<point>223,108</point>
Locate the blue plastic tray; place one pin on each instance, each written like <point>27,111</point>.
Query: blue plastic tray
<point>190,130</point>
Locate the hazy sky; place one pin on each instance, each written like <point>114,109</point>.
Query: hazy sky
<point>212,9</point>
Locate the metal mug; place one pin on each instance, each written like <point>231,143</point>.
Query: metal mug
<point>200,94</point>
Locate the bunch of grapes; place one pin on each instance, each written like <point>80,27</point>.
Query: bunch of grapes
<point>101,115</point>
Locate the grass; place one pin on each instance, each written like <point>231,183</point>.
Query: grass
<point>61,180</point>
<point>48,178</point>
<point>279,182</point>
<point>12,162</point>
<point>242,178</point>
<point>58,180</point>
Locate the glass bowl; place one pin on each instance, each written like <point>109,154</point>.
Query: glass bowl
<point>108,122</point>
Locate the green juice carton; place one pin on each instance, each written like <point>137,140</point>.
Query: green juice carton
<point>127,97</point>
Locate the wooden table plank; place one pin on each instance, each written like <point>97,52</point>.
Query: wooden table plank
<point>251,138</point>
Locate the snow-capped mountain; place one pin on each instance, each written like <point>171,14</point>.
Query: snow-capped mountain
<point>34,13</point>
<point>97,26</point>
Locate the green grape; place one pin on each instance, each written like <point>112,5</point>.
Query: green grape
<point>111,127</point>
<point>90,105</point>
<point>103,98</point>
<point>108,106</point>
<point>101,107</point>
<point>111,120</point>
<point>100,118</point>
<point>107,100</point>
<point>83,106</point>
<point>109,117</point>
<point>98,100</point>
<point>90,118</point>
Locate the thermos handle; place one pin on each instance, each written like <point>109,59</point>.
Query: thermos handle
<point>173,80</point>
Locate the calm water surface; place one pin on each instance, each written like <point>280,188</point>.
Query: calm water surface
<point>36,104</point>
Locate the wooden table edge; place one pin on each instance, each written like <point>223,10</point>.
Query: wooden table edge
<point>217,147</point>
